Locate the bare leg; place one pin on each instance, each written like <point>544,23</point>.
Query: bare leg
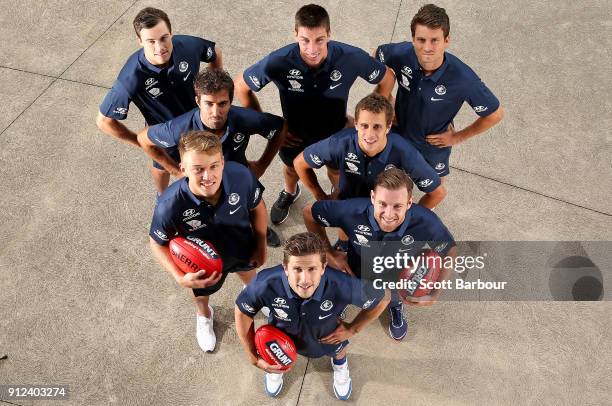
<point>161,178</point>
<point>291,179</point>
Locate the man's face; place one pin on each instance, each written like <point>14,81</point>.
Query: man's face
<point>429,46</point>
<point>390,207</point>
<point>372,131</point>
<point>313,44</point>
<point>157,43</point>
<point>214,109</point>
<point>204,171</point>
<point>304,274</point>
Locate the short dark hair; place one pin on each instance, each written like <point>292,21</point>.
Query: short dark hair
<point>303,244</point>
<point>375,103</point>
<point>431,16</point>
<point>312,16</point>
<point>199,141</point>
<point>149,17</point>
<point>394,179</point>
<point>210,81</point>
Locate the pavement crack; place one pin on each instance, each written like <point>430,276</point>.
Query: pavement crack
<point>303,378</point>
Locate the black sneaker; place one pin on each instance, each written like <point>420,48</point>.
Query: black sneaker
<point>280,208</point>
<point>398,326</point>
<point>272,238</point>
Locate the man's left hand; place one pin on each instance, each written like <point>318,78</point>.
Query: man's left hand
<point>445,139</point>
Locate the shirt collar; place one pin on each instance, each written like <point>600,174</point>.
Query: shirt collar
<point>325,67</point>
<point>435,77</point>
<point>399,232</point>
<point>382,156</point>
<point>197,121</point>
<point>145,62</point>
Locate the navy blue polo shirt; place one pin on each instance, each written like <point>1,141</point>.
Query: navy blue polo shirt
<point>159,93</point>
<point>356,218</point>
<point>241,124</point>
<point>358,172</point>
<point>314,101</point>
<point>306,321</point>
<point>227,225</point>
<point>428,104</point>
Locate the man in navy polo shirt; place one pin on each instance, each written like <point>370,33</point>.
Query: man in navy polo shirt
<point>361,153</point>
<point>433,85</point>
<point>234,125</point>
<point>388,215</point>
<point>313,77</point>
<point>158,79</point>
<point>219,202</point>
<point>306,298</point>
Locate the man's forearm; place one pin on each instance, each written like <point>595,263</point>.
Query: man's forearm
<point>480,125</point>
<point>162,255</point>
<point>433,198</point>
<point>246,333</point>
<point>308,177</point>
<point>116,129</point>
<point>365,317</point>
<point>245,95</point>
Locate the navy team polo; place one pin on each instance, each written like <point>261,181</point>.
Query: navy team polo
<point>306,320</point>
<point>428,104</point>
<point>356,218</point>
<point>159,93</point>
<point>227,225</point>
<point>314,101</point>
<point>241,124</point>
<point>358,172</point>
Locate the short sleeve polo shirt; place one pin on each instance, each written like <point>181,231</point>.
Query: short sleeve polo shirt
<point>159,93</point>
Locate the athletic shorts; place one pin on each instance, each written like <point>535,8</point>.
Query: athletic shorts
<point>173,153</point>
<point>235,265</point>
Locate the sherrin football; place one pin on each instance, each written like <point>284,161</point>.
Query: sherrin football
<point>192,254</point>
<point>421,274</point>
<point>275,347</point>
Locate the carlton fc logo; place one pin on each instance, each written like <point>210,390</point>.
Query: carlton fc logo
<point>183,66</point>
<point>335,75</point>
<point>440,90</point>
<point>234,198</point>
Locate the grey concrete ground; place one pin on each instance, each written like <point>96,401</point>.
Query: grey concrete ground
<point>83,303</point>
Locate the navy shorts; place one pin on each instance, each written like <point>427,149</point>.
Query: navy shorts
<point>235,265</point>
<point>172,153</point>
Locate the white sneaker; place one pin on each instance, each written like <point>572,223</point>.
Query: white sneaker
<point>343,386</point>
<point>266,311</point>
<point>273,383</point>
<point>205,333</point>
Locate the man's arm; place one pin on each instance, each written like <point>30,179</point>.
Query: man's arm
<point>246,333</point>
<point>385,87</point>
<point>335,259</point>
<point>158,154</point>
<point>245,95</point>
<point>218,62</point>
<point>259,167</point>
<point>116,129</point>
<point>433,198</point>
<point>479,126</point>
<point>308,177</point>
<point>259,222</point>
<point>365,317</point>
<point>188,280</point>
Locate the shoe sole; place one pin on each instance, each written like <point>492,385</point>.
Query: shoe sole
<point>289,209</point>
<point>397,338</point>
<point>347,396</point>
<point>270,394</point>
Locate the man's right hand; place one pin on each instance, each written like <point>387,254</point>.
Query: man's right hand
<point>198,280</point>
<point>337,259</point>
<point>264,366</point>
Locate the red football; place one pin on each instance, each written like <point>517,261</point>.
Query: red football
<point>192,254</point>
<point>275,347</point>
<point>426,268</point>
